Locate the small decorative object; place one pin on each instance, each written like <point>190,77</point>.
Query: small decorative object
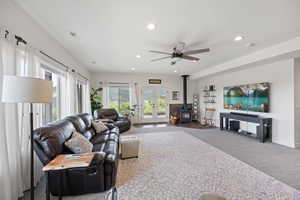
<point>211,88</point>
<point>175,95</point>
<point>173,120</point>
<point>154,81</point>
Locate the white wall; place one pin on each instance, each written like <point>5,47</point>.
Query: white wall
<point>16,20</point>
<point>171,83</point>
<point>297,101</point>
<point>280,75</point>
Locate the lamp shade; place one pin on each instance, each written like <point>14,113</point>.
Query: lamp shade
<point>18,89</point>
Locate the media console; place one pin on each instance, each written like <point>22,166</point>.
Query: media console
<point>264,130</point>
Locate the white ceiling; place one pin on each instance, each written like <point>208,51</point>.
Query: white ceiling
<point>112,32</point>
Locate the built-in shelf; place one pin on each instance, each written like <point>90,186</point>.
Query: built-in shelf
<point>210,102</point>
<point>210,96</point>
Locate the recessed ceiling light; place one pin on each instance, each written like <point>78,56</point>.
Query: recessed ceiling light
<point>250,44</point>
<point>138,56</point>
<point>73,34</point>
<point>175,71</point>
<point>132,68</point>
<point>151,26</point>
<point>238,38</point>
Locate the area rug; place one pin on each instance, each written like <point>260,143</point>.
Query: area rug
<point>179,166</point>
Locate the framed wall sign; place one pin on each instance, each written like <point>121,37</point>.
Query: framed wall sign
<point>154,81</point>
<point>175,95</point>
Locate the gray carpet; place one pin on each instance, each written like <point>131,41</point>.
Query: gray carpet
<point>277,161</point>
<point>280,162</point>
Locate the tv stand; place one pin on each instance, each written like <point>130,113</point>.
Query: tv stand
<point>264,129</point>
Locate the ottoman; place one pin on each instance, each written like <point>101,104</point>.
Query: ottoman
<point>129,147</point>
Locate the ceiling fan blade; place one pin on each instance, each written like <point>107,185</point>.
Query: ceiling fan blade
<point>191,52</point>
<point>160,52</point>
<point>190,58</point>
<point>157,59</point>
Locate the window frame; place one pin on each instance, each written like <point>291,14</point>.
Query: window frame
<point>119,99</point>
<point>45,67</point>
<point>83,84</point>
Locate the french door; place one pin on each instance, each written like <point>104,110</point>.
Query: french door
<point>155,104</point>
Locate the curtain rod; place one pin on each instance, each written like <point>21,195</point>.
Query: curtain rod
<point>20,39</point>
<point>57,61</point>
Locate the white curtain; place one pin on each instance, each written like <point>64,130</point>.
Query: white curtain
<point>135,101</point>
<point>86,98</point>
<point>72,93</point>
<point>14,120</point>
<point>9,189</point>
<point>105,94</point>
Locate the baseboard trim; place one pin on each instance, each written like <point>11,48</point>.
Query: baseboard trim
<point>297,145</point>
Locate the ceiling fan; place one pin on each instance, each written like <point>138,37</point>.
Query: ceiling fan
<point>180,54</point>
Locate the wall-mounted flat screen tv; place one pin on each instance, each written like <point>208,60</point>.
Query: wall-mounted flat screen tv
<point>251,97</point>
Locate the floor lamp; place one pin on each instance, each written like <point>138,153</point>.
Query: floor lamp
<point>17,89</point>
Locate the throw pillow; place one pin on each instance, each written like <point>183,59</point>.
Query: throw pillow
<point>99,127</point>
<point>79,144</point>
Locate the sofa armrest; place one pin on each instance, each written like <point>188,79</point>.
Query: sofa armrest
<point>98,158</point>
<point>81,180</point>
<point>110,125</point>
<point>121,117</point>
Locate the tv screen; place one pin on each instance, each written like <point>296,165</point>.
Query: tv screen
<point>251,97</point>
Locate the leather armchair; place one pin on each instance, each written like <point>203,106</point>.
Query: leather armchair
<point>100,176</point>
<point>122,123</point>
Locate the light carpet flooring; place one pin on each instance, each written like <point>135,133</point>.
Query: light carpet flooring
<point>173,165</point>
<point>278,161</point>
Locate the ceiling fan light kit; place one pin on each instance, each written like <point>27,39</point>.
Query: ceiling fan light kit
<point>179,53</point>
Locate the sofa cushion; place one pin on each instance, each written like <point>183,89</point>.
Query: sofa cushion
<point>78,123</point>
<point>79,144</point>
<point>106,113</point>
<point>99,127</point>
<point>87,119</point>
<point>51,138</point>
<point>99,138</point>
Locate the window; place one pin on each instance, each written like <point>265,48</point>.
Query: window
<point>51,112</point>
<point>119,99</point>
<point>79,88</point>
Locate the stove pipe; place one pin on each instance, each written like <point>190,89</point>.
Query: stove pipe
<point>185,77</point>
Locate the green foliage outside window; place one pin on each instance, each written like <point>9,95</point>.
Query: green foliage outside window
<point>161,102</point>
<point>161,106</point>
<point>124,107</point>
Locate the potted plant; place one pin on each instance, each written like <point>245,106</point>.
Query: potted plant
<point>95,99</point>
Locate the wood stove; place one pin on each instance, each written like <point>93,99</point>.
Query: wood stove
<point>186,110</point>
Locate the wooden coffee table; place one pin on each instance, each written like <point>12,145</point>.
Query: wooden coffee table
<point>66,161</point>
